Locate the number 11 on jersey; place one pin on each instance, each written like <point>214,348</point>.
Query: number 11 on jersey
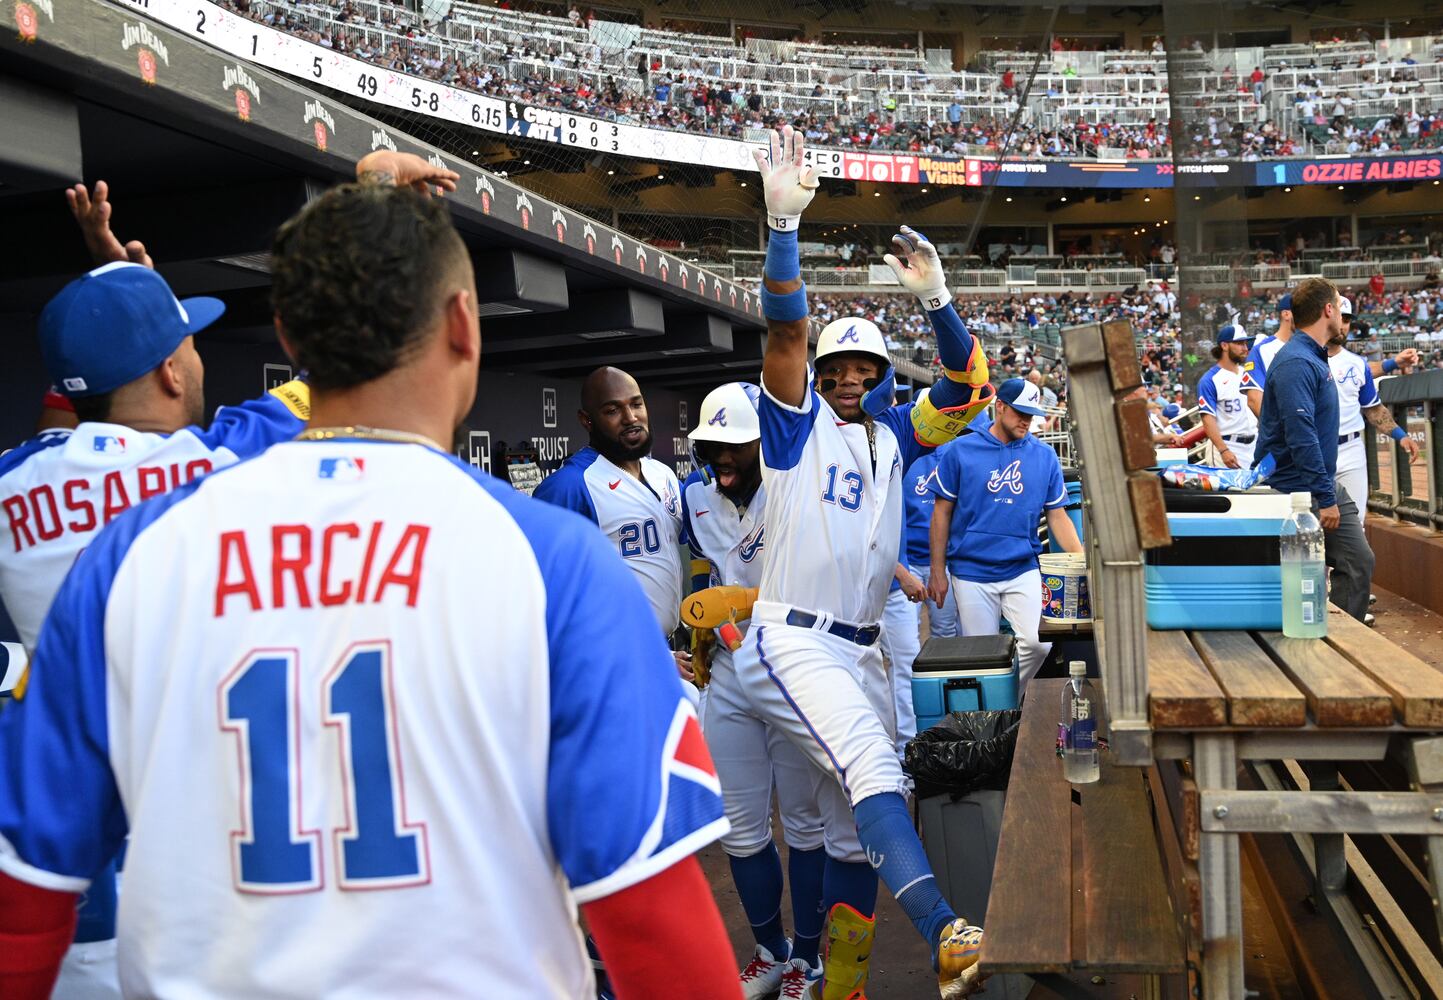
<point>271,853</point>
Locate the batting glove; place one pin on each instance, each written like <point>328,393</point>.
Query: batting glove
<point>788,185</point>
<point>919,269</point>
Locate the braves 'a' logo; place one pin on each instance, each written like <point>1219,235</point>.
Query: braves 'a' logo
<point>1009,478</point>
<point>1350,377</point>
<point>849,334</point>
<point>920,487</point>
<point>752,544</point>
<point>719,419</point>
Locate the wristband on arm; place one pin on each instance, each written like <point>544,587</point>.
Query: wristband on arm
<point>783,262</point>
<point>1397,434</point>
<point>1389,366</point>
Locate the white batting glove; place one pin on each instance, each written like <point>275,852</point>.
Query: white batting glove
<point>788,185</point>
<point>918,269</point>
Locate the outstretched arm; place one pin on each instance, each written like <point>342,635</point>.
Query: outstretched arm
<point>1379,417</point>
<point>92,215</point>
<point>788,187</point>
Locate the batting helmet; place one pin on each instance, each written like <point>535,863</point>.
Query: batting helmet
<point>728,416</point>
<point>861,336</point>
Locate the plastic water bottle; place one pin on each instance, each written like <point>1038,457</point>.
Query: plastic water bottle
<point>1079,724</point>
<point>1305,576</point>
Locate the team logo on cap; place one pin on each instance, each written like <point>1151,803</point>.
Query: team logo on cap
<point>344,469</point>
<point>107,444</point>
<point>850,334</point>
<point>719,418</point>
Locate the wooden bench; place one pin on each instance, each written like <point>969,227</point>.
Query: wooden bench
<point>1079,879</point>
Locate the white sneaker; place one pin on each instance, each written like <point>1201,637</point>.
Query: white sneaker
<point>1372,599</point>
<point>1369,619</point>
<point>762,975</point>
<point>797,980</point>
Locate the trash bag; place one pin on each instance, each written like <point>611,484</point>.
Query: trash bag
<point>965,752</point>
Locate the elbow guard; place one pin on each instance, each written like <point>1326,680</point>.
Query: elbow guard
<point>297,397</point>
<point>936,426</point>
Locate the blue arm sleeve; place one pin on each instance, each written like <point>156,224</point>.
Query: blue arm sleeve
<point>1368,396</point>
<point>1207,395</point>
<point>1295,388</point>
<point>252,427</point>
<point>954,343</point>
<point>566,487</point>
<point>631,789</point>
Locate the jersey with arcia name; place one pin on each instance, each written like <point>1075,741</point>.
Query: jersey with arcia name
<point>375,724</point>
<point>58,489</point>
<point>834,506</point>
<point>1220,394</point>
<point>642,517</point>
<point>1356,390</point>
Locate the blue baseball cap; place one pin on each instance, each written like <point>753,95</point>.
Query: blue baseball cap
<point>1285,304</point>
<point>1022,396</point>
<point>1170,411</point>
<point>111,326</point>
<point>1231,332</point>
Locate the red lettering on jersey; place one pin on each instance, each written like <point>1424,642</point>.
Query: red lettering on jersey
<point>366,563</point>
<point>415,537</point>
<point>76,503</point>
<point>42,500</point>
<point>117,500</point>
<point>296,565</point>
<point>152,481</point>
<point>235,541</point>
<point>196,468</point>
<point>19,515</point>
<point>328,597</point>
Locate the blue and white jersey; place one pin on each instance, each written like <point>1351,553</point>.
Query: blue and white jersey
<point>1220,394</point>
<point>1255,369</point>
<point>917,504</point>
<point>731,541</point>
<point>834,506</point>
<point>1000,491</point>
<point>352,700</point>
<point>58,489</point>
<point>1356,390</point>
<point>642,517</point>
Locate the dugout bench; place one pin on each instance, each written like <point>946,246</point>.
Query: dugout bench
<point>1143,872</point>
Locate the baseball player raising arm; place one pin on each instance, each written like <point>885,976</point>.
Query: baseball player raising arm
<point>725,504</point>
<point>834,451</point>
<point>422,716</point>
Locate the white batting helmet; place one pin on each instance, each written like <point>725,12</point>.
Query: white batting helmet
<point>861,336</point>
<point>729,415</point>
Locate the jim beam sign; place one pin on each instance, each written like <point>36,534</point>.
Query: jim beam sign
<point>27,19</point>
<point>321,122</point>
<point>246,90</point>
<point>150,49</point>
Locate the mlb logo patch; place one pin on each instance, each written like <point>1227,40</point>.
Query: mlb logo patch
<point>107,444</point>
<point>342,470</point>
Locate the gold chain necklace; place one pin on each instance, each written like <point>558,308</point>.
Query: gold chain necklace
<point>372,433</point>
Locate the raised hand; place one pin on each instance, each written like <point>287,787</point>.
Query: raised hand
<point>788,185</point>
<point>1406,359</point>
<point>919,269</point>
<point>92,215</point>
<point>405,170</point>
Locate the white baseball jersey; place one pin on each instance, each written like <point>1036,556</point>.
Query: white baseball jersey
<point>730,540</point>
<point>1356,390</point>
<point>834,506</point>
<point>642,517</point>
<point>58,489</point>
<point>1255,368</point>
<point>375,724</point>
<point>1220,394</point>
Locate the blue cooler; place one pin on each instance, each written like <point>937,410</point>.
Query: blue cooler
<point>1222,570</point>
<point>963,674</point>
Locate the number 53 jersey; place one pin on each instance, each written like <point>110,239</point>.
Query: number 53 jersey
<point>373,722</point>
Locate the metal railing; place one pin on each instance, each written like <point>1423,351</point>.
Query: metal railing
<point>1409,491</point>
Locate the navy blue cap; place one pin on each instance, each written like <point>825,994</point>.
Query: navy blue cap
<point>1022,396</point>
<point>111,326</point>
<point>1285,304</point>
<point>1231,332</point>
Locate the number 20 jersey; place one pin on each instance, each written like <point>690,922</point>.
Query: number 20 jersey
<point>374,723</point>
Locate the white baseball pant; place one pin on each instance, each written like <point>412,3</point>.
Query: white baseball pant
<point>89,972</point>
<point>941,618</point>
<point>831,698</point>
<point>751,758</point>
<point>901,642</point>
<point>981,606</point>
<point>1352,474</point>
<point>1242,452</point>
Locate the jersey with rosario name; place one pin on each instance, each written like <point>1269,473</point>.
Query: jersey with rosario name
<point>834,505</point>
<point>421,718</point>
<point>642,517</point>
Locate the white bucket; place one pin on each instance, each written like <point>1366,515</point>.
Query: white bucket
<point>1066,596</point>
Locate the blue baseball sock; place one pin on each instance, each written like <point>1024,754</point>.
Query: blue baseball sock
<point>885,829</point>
<point>850,882</point>
<point>804,874</point>
<point>758,880</point>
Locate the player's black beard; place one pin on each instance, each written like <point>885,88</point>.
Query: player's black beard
<point>742,491</point>
<point>616,452</point>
